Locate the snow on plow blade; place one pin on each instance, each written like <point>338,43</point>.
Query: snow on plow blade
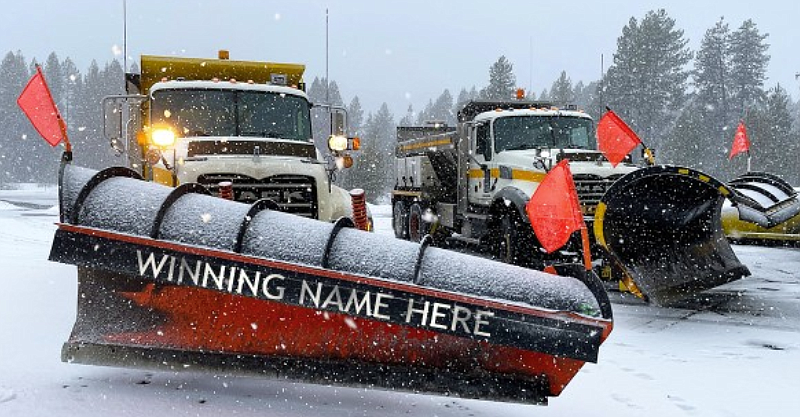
<point>662,225</point>
<point>175,279</point>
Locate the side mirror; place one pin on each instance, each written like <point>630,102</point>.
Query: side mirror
<point>118,112</point>
<point>338,122</point>
<point>112,120</point>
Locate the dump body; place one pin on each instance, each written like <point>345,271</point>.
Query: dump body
<point>179,279</point>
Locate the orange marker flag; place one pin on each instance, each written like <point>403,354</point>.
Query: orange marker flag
<point>37,103</point>
<point>554,210</point>
<point>740,141</point>
<point>614,138</point>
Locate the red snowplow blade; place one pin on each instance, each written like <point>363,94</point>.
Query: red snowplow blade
<point>173,279</point>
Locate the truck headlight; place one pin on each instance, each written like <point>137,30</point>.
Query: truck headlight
<point>337,143</point>
<point>163,138</point>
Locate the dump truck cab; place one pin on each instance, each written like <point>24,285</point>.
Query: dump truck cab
<point>518,147</point>
<point>212,121</point>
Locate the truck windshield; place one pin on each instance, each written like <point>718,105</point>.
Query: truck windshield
<point>232,113</point>
<point>531,132</point>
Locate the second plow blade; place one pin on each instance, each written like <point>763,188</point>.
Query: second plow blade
<point>662,225</point>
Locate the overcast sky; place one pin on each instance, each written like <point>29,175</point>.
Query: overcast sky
<point>399,52</point>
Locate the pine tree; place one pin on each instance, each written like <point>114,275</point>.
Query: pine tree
<point>73,85</point>
<point>463,98</point>
<point>712,74</point>
<point>54,75</point>
<point>770,131</point>
<point>544,95</point>
<point>426,114</point>
<point>701,132</point>
<point>502,82</point>
<point>17,133</point>
<point>374,165</point>
<point>561,92</point>
<point>749,61</point>
<point>355,117</point>
<point>646,84</point>
<point>442,108</point>
<point>581,95</point>
<point>692,143</point>
<point>408,119</point>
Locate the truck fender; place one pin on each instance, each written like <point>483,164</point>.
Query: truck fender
<point>515,196</point>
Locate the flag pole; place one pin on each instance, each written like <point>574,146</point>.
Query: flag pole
<point>66,157</point>
<point>748,160</point>
<point>587,252</point>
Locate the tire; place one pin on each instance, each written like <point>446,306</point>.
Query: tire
<point>416,226</point>
<point>514,243</point>
<point>400,220</point>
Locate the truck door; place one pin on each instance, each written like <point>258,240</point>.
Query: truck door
<point>480,165</point>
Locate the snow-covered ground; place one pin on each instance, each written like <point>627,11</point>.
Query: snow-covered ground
<point>737,353</point>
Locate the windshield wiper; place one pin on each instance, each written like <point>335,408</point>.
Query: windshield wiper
<point>264,134</point>
<point>197,132</point>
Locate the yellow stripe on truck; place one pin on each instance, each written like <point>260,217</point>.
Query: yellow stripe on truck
<point>516,174</point>
<point>599,214</point>
<point>430,144</point>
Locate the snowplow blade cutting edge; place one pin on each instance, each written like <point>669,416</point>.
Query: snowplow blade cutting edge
<point>662,225</point>
<point>175,279</point>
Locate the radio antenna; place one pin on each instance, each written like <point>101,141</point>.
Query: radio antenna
<point>327,77</point>
<point>124,38</point>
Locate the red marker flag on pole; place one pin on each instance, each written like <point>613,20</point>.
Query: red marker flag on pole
<point>614,138</point>
<point>554,210</point>
<point>37,103</point>
<point>740,141</point>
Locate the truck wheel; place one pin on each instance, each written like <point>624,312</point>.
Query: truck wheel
<point>416,226</point>
<point>400,220</point>
<point>514,244</point>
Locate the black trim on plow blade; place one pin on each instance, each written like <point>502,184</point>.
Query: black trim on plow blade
<point>258,206</point>
<point>592,282</point>
<point>663,224</point>
<point>558,334</point>
<point>96,180</point>
<point>183,189</point>
<point>340,224</point>
<point>479,385</point>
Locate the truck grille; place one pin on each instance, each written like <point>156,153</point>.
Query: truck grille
<point>295,194</point>
<point>591,189</point>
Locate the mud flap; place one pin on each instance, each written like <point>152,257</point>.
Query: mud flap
<point>662,225</point>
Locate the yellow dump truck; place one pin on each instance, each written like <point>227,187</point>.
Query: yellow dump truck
<point>211,121</point>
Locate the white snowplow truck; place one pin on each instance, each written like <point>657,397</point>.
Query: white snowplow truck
<point>470,183</point>
<point>219,121</point>
<point>657,229</point>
